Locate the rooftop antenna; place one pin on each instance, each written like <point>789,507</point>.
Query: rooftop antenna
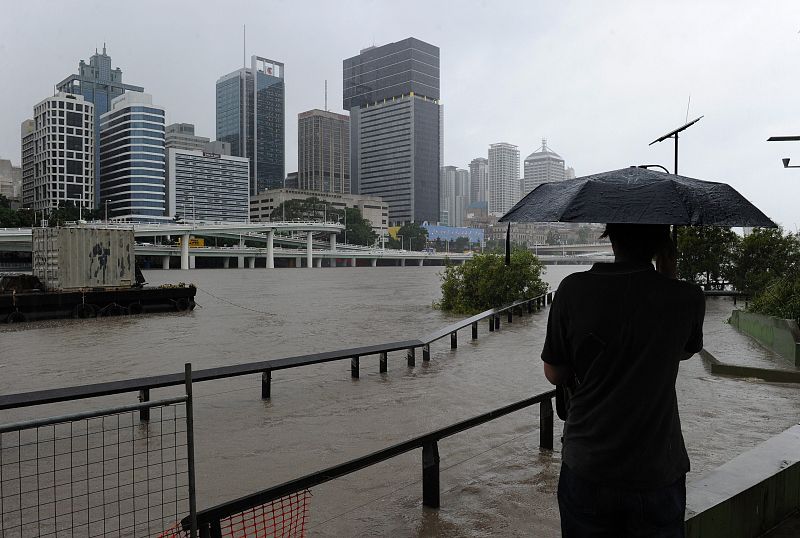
<point>326,95</point>
<point>244,45</point>
<point>687,108</point>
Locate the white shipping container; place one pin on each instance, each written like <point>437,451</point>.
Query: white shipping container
<point>83,257</point>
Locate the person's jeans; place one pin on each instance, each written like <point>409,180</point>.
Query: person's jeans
<point>591,510</point>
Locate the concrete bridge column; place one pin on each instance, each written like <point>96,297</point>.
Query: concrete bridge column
<point>240,262</point>
<point>374,262</point>
<point>251,262</point>
<point>165,262</point>
<point>352,262</point>
<point>270,250</point>
<point>318,262</point>
<point>309,259</point>
<point>226,262</point>
<point>185,251</point>
<point>298,261</point>
<point>191,262</point>
<point>333,242</point>
<point>420,262</point>
<point>402,262</point>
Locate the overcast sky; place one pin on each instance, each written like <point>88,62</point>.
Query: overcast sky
<point>599,80</point>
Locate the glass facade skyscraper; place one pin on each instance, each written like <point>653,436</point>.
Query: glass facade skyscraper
<point>99,84</point>
<point>392,93</point>
<point>251,116</point>
<point>132,160</point>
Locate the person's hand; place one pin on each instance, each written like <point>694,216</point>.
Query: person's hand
<point>667,260</point>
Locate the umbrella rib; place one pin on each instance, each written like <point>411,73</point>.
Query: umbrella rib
<point>572,199</point>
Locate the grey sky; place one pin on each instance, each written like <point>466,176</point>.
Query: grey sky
<point>599,80</point>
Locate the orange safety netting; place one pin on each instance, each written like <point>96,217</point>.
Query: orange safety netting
<point>282,518</point>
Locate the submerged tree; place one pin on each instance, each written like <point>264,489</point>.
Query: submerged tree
<point>485,282</point>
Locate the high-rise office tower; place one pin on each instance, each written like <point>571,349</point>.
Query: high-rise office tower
<point>10,180</point>
<point>542,166</point>
<point>454,196</point>
<point>323,151</point>
<point>503,168</point>
<point>58,153</point>
<point>98,84</point>
<point>181,136</point>
<point>132,160</point>
<point>479,180</point>
<point>392,93</point>
<point>251,112</point>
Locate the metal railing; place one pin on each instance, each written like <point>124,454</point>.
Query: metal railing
<point>145,384</point>
<point>210,521</point>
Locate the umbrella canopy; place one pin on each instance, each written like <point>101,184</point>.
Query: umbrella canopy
<point>638,196</point>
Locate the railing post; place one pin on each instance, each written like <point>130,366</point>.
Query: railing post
<point>144,396</point>
<point>426,352</point>
<point>411,357</point>
<point>474,330</point>
<point>187,380</point>
<point>497,322</point>
<point>454,340</point>
<point>510,315</point>
<point>384,362</point>
<point>266,385</point>
<point>491,323</point>
<point>430,475</point>
<point>354,367</point>
<point>546,424</point>
<point>550,298</point>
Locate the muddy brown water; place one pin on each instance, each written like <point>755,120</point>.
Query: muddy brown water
<point>495,481</point>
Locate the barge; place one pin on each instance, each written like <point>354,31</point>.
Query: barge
<point>85,272</point>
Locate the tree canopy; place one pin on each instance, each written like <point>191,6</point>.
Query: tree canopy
<point>414,237</point>
<point>706,255</point>
<point>764,255</point>
<point>485,282</point>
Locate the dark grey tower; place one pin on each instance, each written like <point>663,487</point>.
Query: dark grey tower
<point>251,112</point>
<point>98,84</point>
<point>392,93</point>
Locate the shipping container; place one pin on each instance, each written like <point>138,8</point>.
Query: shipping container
<point>84,257</point>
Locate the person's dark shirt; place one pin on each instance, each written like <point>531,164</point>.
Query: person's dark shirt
<point>624,328</point>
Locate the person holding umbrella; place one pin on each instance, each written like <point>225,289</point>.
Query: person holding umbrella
<point>615,338</point>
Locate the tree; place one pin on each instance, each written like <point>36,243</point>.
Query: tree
<point>485,282</point>
<point>706,255</point>
<point>359,229</point>
<point>583,235</point>
<point>762,256</point>
<point>552,238</point>
<point>414,237</point>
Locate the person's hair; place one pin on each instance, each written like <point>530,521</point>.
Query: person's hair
<point>640,241</point>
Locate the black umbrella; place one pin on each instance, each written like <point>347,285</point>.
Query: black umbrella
<point>638,196</point>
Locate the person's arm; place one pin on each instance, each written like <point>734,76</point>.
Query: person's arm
<point>557,374</point>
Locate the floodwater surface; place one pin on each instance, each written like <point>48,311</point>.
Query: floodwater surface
<point>495,480</point>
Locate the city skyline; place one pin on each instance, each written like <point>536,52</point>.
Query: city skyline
<point>609,92</point>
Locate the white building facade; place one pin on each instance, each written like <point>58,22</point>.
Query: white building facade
<point>58,154</point>
<point>503,172</point>
<point>132,160</point>
<point>208,186</point>
<point>479,180</point>
<point>542,166</point>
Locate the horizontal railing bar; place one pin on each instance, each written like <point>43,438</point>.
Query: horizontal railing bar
<point>26,399</point>
<point>27,424</point>
<point>299,484</point>
<point>444,331</point>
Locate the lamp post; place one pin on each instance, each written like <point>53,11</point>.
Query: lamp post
<point>401,241</point>
<point>790,138</point>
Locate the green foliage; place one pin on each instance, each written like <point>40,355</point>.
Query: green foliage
<point>706,255</point>
<point>414,237</point>
<point>764,255</point>
<point>359,229</point>
<point>552,238</point>
<point>459,244</point>
<point>485,282</point>
<point>781,298</point>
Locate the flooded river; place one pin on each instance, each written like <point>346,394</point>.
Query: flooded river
<point>494,479</point>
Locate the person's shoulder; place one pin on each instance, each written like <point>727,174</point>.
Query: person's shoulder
<point>681,287</point>
<point>573,280</point>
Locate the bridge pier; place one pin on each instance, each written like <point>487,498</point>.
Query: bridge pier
<point>352,262</point>
<point>226,262</point>
<point>374,262</point>
<point>251,262</point>
<point>309,259</point>
<point>402,262</point>
<point>420,262</point>
<point>298,261</point>
<point>240,262</point>
<point>333,242</point>
<point>318,262</point>
<point>185,252</point>
<point>191,261</point>
<point>165,262</point>
<point>270,250</point>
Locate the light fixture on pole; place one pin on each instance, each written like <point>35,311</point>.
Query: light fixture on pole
<point>786,163</point>
<point>790,138</point>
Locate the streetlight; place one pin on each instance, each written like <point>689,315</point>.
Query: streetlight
<point>786,163</point>
<point>790,138</point>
